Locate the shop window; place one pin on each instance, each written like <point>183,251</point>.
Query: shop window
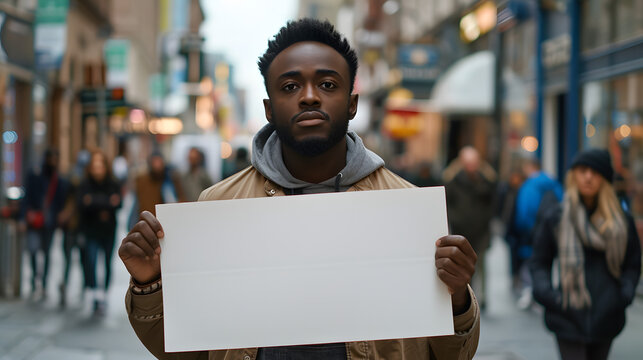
<point>606,21</point>
<point>613,119</point>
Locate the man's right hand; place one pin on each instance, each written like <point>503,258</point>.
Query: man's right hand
<point>140,249</point>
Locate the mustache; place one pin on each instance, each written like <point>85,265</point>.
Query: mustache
<point>325,115</point>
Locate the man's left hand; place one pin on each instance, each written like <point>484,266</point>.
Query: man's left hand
<point>455,261</point>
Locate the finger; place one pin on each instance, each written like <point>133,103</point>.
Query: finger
<point>456,255</point>
<point>450,266</point>
<point>153,222</point>
<point>129,249</point>
<point>139,241</point>
<point>149,234</point>
<point>457,240</point>
<point>451,281</point>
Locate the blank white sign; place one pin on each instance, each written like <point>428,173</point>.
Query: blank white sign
<point>306,269</point>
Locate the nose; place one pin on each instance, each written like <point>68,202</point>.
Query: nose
<point>309,96</point>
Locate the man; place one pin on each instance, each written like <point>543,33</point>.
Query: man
<point>538,193</point>
<point>470,186</point>
<point>196,179</point>
<point>309,72</point>
<point>158,185</point>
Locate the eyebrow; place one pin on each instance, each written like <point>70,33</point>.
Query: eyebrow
<point>318,71</point>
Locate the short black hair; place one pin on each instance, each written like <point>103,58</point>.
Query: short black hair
<point>307,29</point>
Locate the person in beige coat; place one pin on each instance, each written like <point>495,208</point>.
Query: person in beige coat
<point>309,71</point>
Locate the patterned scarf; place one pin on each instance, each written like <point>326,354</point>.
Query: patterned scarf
<point>578,231</point>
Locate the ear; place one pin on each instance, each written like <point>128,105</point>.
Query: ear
<point>267,108</point>
<point>352,106</point>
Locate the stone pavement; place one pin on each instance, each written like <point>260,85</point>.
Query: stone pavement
<point>41,331</point>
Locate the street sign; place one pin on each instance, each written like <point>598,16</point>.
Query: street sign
<point>50,33</point>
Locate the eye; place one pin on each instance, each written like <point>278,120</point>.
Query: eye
<point>328,85</point>
<point>289,87</point>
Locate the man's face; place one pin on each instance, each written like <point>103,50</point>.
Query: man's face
<point>157,165</point>
<point>310,102</point>
<point>194,158</point>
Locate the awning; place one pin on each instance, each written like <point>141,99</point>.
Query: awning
<point>467,87</point>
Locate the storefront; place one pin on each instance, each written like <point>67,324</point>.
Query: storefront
<point>16,77</point>
<point>611,91</point>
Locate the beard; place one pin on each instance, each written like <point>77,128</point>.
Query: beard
<point>314,146</point>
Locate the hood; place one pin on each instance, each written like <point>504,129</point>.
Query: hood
<point>267,159</point>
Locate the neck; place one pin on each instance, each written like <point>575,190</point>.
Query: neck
<point>318,168</point>
<point>589,201</point>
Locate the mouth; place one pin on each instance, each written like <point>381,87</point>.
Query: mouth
<point>310,118</point>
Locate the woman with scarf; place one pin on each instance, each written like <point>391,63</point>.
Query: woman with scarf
<point>598,257</point>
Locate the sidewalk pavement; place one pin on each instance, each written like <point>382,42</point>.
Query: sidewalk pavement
<point>41,331</point>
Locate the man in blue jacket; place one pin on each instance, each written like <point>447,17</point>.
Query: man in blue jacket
<point>538,193</point>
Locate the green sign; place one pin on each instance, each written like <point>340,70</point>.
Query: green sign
<point>116,55</point>
<point>52,11</point>
<point>50,33</point>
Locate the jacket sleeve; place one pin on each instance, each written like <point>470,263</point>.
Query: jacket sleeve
<point>145,313</point>
<point>462,345</point>
<point>632,264</point>
<point>540,264</point>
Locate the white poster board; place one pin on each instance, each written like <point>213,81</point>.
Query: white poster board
<point>305,269</point>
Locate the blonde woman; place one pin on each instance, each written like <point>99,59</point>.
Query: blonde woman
<point>598,264</point>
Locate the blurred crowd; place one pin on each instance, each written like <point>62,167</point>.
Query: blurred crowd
<point>83,204</point>
<point>582,232</point>
<point>575,252</point>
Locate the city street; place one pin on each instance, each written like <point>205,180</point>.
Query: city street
<point>41,331</point>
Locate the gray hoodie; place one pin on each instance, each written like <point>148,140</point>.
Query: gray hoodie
<point>267,159</point>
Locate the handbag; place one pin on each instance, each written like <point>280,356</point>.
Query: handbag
<point>36,218</point>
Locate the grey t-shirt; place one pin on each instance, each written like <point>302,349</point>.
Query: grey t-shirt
<point>336,351</point>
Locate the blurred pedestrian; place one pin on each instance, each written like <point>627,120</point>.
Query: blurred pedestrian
<point>470,186</point>
<point>99,196</point>
<point>196,179</point>
<point>423,176</point>
<point>599,261</point>
<point>70,221</point>
<point>538,193</point>
<point>160,184</point>
<point>240,162</point>
<point>507,194</point>
<point>44,199</point>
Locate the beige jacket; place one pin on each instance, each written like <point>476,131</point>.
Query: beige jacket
<point>146,311</point>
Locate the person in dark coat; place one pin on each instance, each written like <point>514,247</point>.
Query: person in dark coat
<point>99,196</point>
<point>470,189</point>
<point>599,261</point>
<point>44,199</point>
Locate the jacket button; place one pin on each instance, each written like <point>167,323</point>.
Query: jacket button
<point>248,357</point>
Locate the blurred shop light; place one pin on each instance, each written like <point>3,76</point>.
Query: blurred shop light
<point>15,193</point>
<point>529,143</point>
<point>206,85</point>
<point>204,113</point>
<point>622,132</point>
<point>226,150</point>
<point>391,7</point>
<point>10,137</point>
<point>469,28</point>
<point>137,116</point>
<point>39,128</point>
<point>165,126</point>
<point>478,22</point>
<point>590,130</point>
